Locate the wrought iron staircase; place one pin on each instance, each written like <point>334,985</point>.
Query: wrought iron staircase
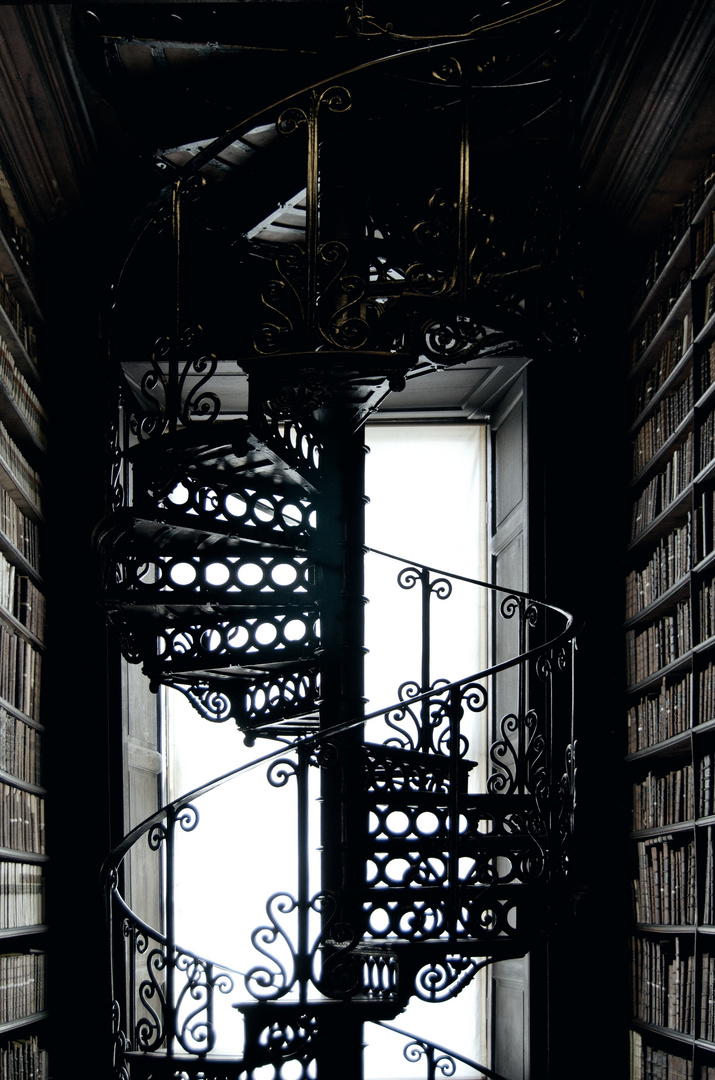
<point>233,565</point>
<point>215,584</point>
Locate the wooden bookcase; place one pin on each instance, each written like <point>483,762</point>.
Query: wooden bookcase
<point>670,649</point>
<point>22,624</point>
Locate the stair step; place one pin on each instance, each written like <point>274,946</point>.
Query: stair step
<point>240,644</point>
<point>280,703</point>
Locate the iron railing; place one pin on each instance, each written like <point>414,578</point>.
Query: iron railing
<point>454,877</point>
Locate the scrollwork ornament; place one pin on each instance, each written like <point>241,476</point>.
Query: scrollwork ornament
<point>503,755</point>
<point>281,296</point>
<point>475,697</point>
<point>213,705</point>
<point>199,405</point>
<point>336,98</point>
<point>444,742</point>
<point>281,771</point>
<point>148,1030</point>
<point>187,818</point>
<point>395,718</point>
<point>195,1032</point>
<point>325,754</point>
<point>531,614</point>
<point>290,120</point>
<point>120,1043</point>
<point>429,281</point>
<point>444,980</point>
<point>274,980</point>
<point>510,605</point>
<point>544,666</point>
<point>156,837</point>
<point>286,1041</point>
<point>416,1051</point>
<point>441,588</point>
<point>408,577</point>
<point>449,71</point>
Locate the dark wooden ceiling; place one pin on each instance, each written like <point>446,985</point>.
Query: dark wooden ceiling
<point>641,88</point>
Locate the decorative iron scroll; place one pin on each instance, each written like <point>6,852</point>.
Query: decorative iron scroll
<point>255,702</point>
<point>444,980</point>
<point>175,387</point>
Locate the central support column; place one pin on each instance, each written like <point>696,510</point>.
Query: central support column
<point>343,814</point>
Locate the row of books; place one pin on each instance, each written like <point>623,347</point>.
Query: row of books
<point>22,820</point>
<point>709,299</point>
<point>19,467</point>
<point>675,229</point>
<point>704,237</point>
<point>664,798</point>
<point>704,526</point>
<point>707,998</point>
<point>706,368</point>
<point>706,621</point>
<point>660,644</point>
<point>664,488</point>
<point>659,715</point>
<point>25,399</point>
<point>663,983</point>
<point>20,670</point>
<point>706,694</point>
<point>19,529</point>
<point>17,238</point>
<point>706,805</point>
<point>22,985</point>
<point>664,422</point>
<point>24,1059</point>
<point>650,381</point>
<point>23,327</point>
<point>21,597</point>
<point>664,890</point>
<point>20,748</point>
<point>650,1063</point>
<point>708,918</point>
<point>706,450</point>
<point>647,331</point>
<point>668,563</point>
<point>22,894</point>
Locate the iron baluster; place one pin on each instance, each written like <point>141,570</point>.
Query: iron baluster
<point>463,250</point>
<point>169,868</point>
<point>303,958</point>
<point>172,387</point>
<point>442,589</point>
<point>455,714</point>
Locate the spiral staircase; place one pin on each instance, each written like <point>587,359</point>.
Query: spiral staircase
<point>232,559</point>
<point>219,583</point>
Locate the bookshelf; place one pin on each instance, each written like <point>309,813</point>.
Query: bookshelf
<point>23,435</point>
<point>670,648</point>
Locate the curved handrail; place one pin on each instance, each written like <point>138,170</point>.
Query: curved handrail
<point>418,1039</point>
<point>115,856</point>
<point>214,146</point>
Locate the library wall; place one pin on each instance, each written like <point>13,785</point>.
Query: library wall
<point>23,857</point>
<point>670,648</point>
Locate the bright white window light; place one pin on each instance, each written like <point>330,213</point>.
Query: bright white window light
<point>427,489</point>
<point>428,500</point>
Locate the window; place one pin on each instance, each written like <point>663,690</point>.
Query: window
<point>427,490</point>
